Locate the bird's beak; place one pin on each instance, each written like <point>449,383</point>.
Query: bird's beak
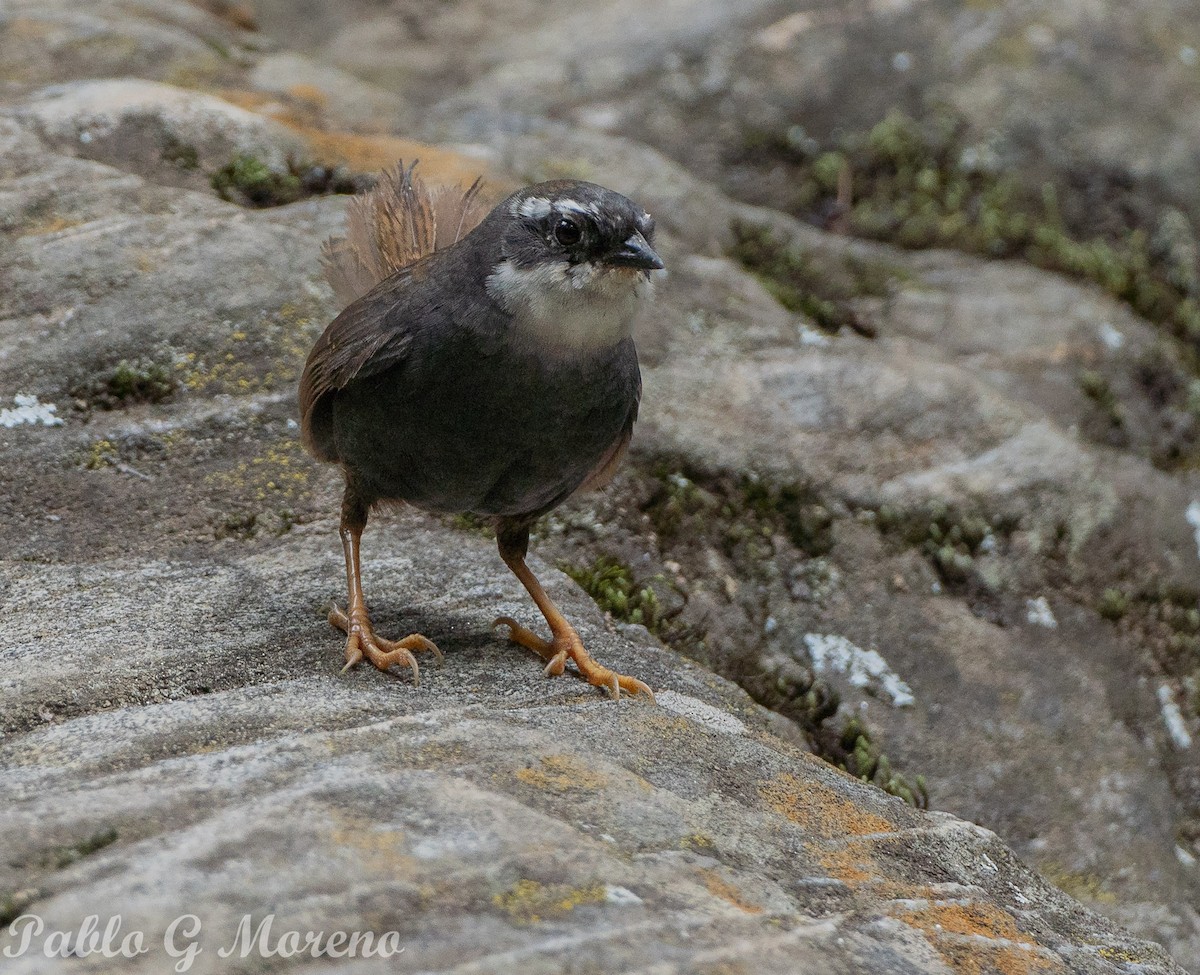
<point>636,252</point>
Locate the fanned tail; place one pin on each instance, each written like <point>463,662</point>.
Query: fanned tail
<point>396,223</point>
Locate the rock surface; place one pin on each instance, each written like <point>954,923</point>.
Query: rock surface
<point>176,738</point>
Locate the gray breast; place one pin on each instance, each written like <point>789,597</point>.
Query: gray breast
<point>457,429</point>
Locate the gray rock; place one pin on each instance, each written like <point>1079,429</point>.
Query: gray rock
<point>176,737</point>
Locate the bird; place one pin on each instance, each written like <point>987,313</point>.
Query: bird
<point>484,364</point>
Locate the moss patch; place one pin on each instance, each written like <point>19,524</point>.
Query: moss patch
<point>249,181</point>
<point>922,183</point>
<point>951,539</point>
<point>722,541</point>
<point>612,585</point>
<point>129,382</point>
<point>811,283</point>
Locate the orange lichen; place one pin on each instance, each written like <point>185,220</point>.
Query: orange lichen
<point>853,867</point>
<point>718,886</point>
<point>562,773</point>
<point>985,920</point>
<point>819,809</point>
<point>976,939</point>
<point>309,93</point>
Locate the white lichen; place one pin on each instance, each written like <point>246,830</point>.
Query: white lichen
<point>863,668</point>
<point>1111,336</point>
<point>1039,613</point>
<point>1193,518</point>
<point>29,410</point>
<point>1173,718</point>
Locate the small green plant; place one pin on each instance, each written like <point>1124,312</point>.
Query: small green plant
<point>1096,387</point>
<point>138,382</point>
<point>952,540</point>
<point>64,856</point>
<point>249,181</point>
<point>1113,604</point>
<point>180,153</point>
<point>237,524</point>
<point>862,758</point>
<point>612,585</point>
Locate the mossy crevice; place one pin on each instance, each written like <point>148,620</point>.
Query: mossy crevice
<point>922,183</point>
<point>129,382</point>
<point>951,538</point>
<point>249,181</point>
<point>812,283</point>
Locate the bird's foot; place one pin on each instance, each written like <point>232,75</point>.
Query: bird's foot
<point>568,646</point>
<point>362,643</point>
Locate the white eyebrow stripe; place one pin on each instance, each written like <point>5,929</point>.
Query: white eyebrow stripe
<point>535,207</point>
<point>586,209</point>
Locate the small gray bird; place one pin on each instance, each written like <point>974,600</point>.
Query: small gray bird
<point>493,373</point>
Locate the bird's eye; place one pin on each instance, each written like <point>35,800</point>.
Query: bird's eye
<point>567,232</point>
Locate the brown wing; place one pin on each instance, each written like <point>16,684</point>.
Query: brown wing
<point>389,231</point>
<point>368,337</point>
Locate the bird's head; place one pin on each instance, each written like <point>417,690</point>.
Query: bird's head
<point>575,259</point>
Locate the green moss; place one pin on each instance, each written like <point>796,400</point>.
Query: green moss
<point>13,905</point>
<point>251,182</point>
<point>921,183</point>
<point>237,524</point>
<point>794,510</point>
<point>611,584</point>
<point>1113,604</point>
<point>141,382</point>
<point>951,539</point>
<point>472,524</point>
<point>126,383</point>
<point>863,759</point>
<point>59,857</point>
<point>742,509</point>
<point>1096,387</point>
<point>811,283</point>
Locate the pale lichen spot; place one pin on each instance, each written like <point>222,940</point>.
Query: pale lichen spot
<point>701,713</point>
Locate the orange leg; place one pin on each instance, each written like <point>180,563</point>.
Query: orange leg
<point>564,642</point>
<point>361,640</point>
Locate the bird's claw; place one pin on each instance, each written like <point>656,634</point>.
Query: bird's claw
<point>362,643</point>
<point>569,647</point>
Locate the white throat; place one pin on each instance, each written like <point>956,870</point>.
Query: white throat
<point>571,307</point>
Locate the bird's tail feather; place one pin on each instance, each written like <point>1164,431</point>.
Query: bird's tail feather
<point>399,221</point>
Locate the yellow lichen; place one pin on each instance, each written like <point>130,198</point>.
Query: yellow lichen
<point>528,902</point>
<point>278,475</point>
<point>562,773</point>
<point>47,225</point>
<point>1081,886</point>
<point>103,453</point>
